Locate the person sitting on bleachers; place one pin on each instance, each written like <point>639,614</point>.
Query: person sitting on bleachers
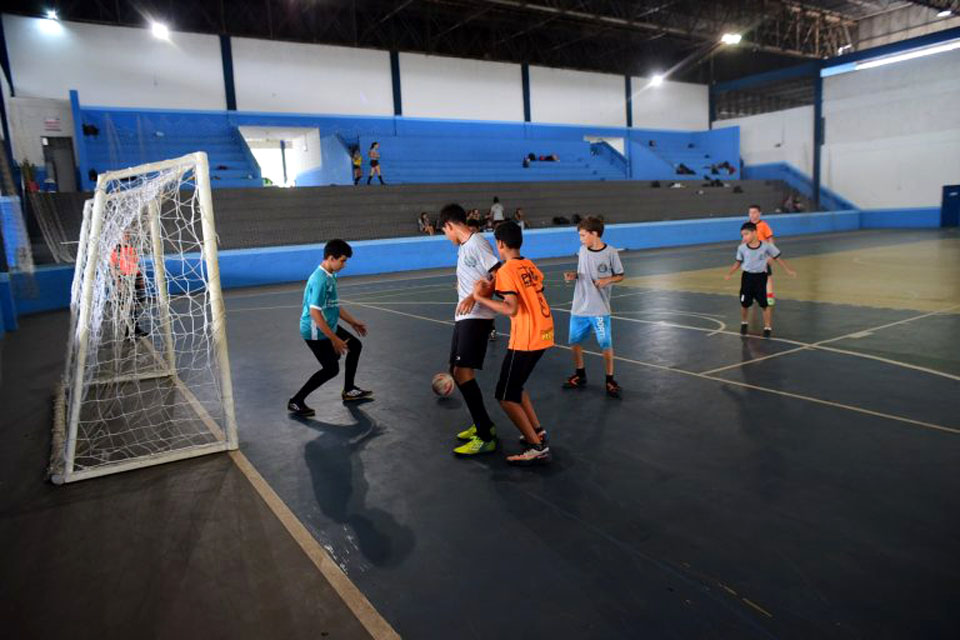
<point>520,219</point>
<point>425,225</point>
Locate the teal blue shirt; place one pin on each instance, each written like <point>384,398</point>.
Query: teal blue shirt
<point>320,293</point>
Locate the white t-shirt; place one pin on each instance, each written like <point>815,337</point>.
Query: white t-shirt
<point>475,259</point>
<point>497,211</point>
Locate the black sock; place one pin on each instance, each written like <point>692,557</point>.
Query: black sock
<point>610,378</point>
<point>369,179</point>
<point>582,373</point>
<point>381,179</point>
<point>472,395</point>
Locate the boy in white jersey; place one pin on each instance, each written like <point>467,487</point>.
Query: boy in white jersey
<point>472,327</point>
<point>598,269</point>
<point>319,328</point>
<point>752,257</point>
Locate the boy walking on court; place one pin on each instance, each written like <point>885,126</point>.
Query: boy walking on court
<point>764,234</point>
<point>472,327</point>
<point>520,285</point>
<point>319,329</point>
<point>598,269</point>
<point>752,257</point>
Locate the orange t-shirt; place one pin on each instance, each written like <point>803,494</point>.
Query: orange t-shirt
<point>764,232</point>
<point>124,260</point>
<point>532,328</point>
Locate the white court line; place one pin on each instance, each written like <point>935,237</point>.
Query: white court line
<point>366,614</point>
<point>734,383</point>
<point>820,346</point>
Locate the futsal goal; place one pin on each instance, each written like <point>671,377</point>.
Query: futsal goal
<point>147,377</point>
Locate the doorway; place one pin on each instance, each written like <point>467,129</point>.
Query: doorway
<point>59,164</point>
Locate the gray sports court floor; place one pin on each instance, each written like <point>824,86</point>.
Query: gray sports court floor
<point>803,486</point>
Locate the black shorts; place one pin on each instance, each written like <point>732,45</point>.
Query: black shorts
<point>769,269</point>
<point>516,369</point>
<point>753,286</point>
<point>470,339</point>
<point>374,163</point>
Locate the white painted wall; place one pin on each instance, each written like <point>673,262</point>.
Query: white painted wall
<point>577,97</point>
<point>672,105</point>
<point>114,66</point>
<point>441,87</point>
<point>781,136</point>
<point>5,96</point>
<point>892,134</point>
<point>309,78</point>
<point>32,119</point>
<point>304,154</point>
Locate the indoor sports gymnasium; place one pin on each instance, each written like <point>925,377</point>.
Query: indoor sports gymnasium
<point>480,319</point>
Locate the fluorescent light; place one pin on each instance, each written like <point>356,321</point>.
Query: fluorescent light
<point>50,27</point>
<point>52,14</point>
<point>656,80</point>
<point>946,13</point>
<point>731,38</point>
<point>160,30</point>
<point>844,48</point>
<point>909,55</point>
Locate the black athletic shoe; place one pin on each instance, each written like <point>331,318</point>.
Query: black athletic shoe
<point>299,409</point>
<point>766,332</point>
<point>743,328</point>
<point>356,394</point>
<point>575,382</point>
<point>613,389</point>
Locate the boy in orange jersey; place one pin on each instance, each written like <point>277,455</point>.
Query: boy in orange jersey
<point>520,285</point>
<point>764,234</point>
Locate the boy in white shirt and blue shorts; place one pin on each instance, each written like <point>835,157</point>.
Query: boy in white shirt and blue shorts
<point>599,267</point>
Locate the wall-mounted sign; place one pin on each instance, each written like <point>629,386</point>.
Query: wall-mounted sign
<point>52,124</point>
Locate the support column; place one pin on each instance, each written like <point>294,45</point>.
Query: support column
<point>628,89</point>
<point>525,83</point>
<point>817,136</point>
<point>395,75</point>
<point>226,57</point>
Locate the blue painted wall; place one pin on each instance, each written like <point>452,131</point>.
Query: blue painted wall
<point>901,218</point>
<point>334,166</point>
<point>132,136</point>
<point>49,287</point>
<point>796,179</point>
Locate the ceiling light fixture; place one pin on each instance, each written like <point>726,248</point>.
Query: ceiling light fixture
<point>160,31</point>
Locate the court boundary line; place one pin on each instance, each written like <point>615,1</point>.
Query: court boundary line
<point>736,383</point>
<point>819,346</point>
<point>798,346</point>
<point>370,619</point>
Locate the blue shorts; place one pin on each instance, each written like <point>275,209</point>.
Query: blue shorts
<point>580,327</point>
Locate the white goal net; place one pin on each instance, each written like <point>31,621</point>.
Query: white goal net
<point>147,378</point>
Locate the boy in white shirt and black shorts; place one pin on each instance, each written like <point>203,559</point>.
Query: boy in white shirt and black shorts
<point>472,327</point>
<point>752,257</point>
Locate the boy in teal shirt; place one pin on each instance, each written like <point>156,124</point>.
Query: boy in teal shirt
<point>319,329</point>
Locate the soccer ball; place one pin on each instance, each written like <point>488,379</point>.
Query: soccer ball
<point>443,384</point>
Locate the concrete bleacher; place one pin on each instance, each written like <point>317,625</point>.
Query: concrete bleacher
<point>433,160</point>
<point>269,217</point>
<point>118,146</point>
<point>275,216</point>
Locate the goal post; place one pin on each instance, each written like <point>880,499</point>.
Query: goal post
<point>147,377</point>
